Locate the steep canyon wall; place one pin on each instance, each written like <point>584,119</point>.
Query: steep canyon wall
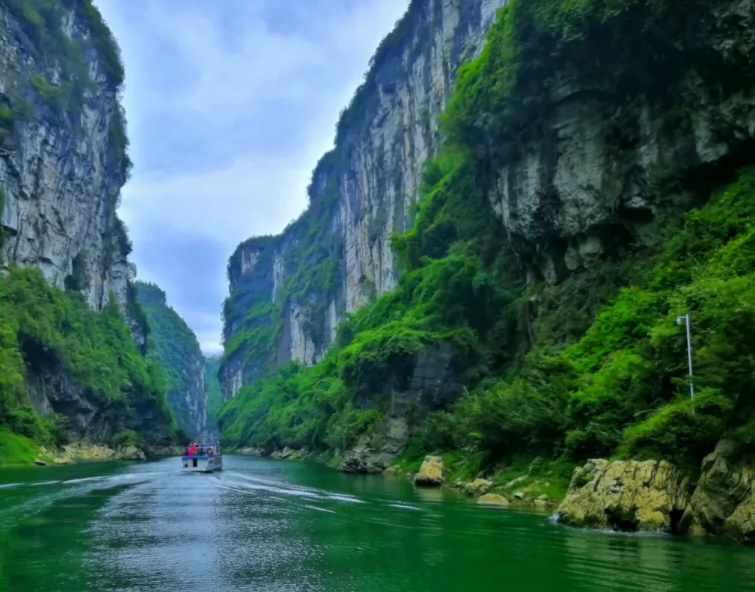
<point>62,150</point>
<point>68,355</point>
<point>287,293</point>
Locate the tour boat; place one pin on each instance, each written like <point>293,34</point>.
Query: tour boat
<point>202,458</point>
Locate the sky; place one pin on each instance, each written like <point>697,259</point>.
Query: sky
<point>230,104</point>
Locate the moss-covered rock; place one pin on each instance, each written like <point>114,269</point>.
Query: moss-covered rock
<point>724,500</point>
<point>625,496</point>
<point>477,487</point>
<point>492,499</point>
<point>431,473</point>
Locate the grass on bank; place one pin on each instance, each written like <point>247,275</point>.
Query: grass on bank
<point>15,449</point>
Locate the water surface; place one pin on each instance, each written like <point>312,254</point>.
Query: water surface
<point>288,526</point>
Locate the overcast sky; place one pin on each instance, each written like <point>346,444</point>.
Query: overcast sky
<point>230,103</point>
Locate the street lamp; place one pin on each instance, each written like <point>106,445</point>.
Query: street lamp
<point>679,320</point>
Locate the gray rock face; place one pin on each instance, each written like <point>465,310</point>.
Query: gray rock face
<point>585,185</point>
<point>724,500</point>
<point>382,143</point>
<point>60,181</point>
<point>376,452</point>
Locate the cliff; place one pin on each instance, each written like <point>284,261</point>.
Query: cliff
<point>592,186</point>
<point>174,346</point>
<point>72,365</point>
<point>287,293</point>
<point>63,147</point>
<point>214,396</point>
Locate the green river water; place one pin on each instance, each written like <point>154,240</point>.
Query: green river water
<point>263,525</point>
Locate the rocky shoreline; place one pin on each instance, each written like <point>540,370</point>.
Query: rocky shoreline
<point>84,452</point>
<point>632,496</point>
<point>624,496</point>
<point>433,473</point>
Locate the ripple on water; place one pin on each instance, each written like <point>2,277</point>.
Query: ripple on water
<point>258,527</point>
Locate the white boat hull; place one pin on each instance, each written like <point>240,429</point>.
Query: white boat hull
<point>201,464</point>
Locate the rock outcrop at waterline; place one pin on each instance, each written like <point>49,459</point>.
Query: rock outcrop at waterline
<point>375,452</point>
<point>431,473</point>
<point>83,452</point>
<point>625,495</point>
<point>723,502</point>
<point>651,495</point>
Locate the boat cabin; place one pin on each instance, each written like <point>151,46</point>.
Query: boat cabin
<point>202,458</point>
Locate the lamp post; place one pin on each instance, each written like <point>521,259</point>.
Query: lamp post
<point>679,320</point>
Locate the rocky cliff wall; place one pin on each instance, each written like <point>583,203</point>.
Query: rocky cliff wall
<point>289,292</point>
<point>62,147</point>
<point>63,161</point>
<point>584,182</point>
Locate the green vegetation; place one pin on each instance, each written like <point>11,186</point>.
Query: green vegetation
<point>50,333</point>
<point>126,438</point>
<point>600,368</point>
<point>15,449</point>
<point>214,395</point>
<point>172,344</point>
<point>42,21</point>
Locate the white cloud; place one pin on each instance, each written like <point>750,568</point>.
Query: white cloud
<point>227,123</point>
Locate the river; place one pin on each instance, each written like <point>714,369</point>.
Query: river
<point>273,526</point>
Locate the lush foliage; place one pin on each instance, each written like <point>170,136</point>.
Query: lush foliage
<point>600,367</point>
<point>622,388</point>
<point>126,438</point>
<point>47,332</point>
<point>213,394</point>
<point>15,449</point>
<point>172,344</point>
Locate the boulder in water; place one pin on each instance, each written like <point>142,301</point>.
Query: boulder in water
<point>431,472</point>
<point>492,499</point>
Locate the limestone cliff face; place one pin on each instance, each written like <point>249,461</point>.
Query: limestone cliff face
<point>59,172</point>
<point>63,162</point>
<point>585,184</point>
<point>338,256</point>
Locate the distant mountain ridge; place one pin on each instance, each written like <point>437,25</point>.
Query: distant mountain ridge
<point>172,343</point>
